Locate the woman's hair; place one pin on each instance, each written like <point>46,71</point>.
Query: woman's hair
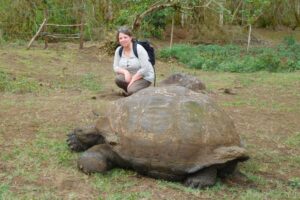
<point>125,30</point>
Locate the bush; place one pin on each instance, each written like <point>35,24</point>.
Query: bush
<point>197,62</point>
<point>269,61</point>
<point>289,40</point>
<point>232,58</point>
<point>154,24</point>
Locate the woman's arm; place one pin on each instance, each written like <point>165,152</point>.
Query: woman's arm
<point>126,73</point>
<point>135,77</point>
<point>118,69</point>
<point>146,66</point>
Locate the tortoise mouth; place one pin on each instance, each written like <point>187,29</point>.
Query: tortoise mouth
<point>243,158</point>
<point>112,143</point>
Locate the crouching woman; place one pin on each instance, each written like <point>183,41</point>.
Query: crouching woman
<point>132,73</point>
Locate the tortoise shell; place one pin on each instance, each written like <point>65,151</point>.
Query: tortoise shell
<point>171,128</point>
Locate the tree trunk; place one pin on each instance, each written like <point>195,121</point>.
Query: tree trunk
<point>172,32</point>
<point>236,10</point>
<point>182,19</point>
<point>109,11</point>
<point>249,37</point>
<point>221,19</point>
<point>221,15</point>
<point>297,12</point>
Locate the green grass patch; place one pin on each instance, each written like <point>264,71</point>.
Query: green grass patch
<point>129,196</point>
<point>232,58</point>
<point>4,191</point>
<point>17,84</point>
<point>276,194</point>
<point>179,186</point>
<point>293,141</point>
<point>115,183</point>
<point>48,147</point>
<point>89,81</point>
<point>30,157</point>
<point>295,183</point>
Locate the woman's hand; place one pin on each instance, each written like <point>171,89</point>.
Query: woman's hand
<point>127,76</point>
<point>135,77</point>
<point>126,73</point>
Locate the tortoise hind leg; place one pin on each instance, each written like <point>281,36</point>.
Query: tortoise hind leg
<point>99,158</point>
<point>228,169</point>
<point>229,173</point>
<point>204,178</point>
<point>83,138</point>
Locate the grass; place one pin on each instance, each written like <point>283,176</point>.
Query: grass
<point>17,84</point>
<point>35,162</point>
<point>107,182</point>
<point>293,141</point>
<point>32,160</point>
<point>41,75</point>
<point>89,81</point>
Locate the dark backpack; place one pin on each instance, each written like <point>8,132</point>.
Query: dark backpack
<point>147,46</point>
<point>150,50</point>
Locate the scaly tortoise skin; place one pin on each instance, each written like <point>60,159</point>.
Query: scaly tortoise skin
<point>169,132</point>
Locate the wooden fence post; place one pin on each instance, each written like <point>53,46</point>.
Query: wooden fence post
<point>46,28</point>
<point>81,29</point>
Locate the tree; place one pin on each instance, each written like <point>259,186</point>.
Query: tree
<point>252,10</point>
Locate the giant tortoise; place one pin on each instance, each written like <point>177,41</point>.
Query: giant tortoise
<point>171,133</point>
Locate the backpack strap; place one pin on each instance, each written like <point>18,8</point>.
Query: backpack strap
<point>134,48</point>
<point>120,51</point>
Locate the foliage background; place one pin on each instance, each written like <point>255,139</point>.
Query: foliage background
<point>20,19</point>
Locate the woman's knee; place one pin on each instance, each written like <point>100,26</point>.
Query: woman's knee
<point>133,89</point>
<point>120,79</point>
<point>120,82</point>
<point>138,85</point>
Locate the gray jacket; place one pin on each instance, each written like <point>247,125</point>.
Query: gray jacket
<point>133,64</point>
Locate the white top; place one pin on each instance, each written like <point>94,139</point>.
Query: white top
<point>133,64</point>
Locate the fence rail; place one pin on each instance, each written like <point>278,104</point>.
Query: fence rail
<point>43,31</point>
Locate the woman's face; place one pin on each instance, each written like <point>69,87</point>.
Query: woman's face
<point>124,40</point>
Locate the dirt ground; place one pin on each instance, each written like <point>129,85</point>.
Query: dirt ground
<point>36,164</point>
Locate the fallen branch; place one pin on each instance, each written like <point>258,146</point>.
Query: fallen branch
<point>65,25</point>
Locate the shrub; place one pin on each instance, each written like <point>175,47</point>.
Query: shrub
<point>289,40</point>
<point>269,61</point>
<point>196,62</point>
<point>232,58</point>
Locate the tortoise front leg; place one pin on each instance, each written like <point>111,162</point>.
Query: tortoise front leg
<point>204,178</point>
<point>99,158</point>
<point>83,138</point>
